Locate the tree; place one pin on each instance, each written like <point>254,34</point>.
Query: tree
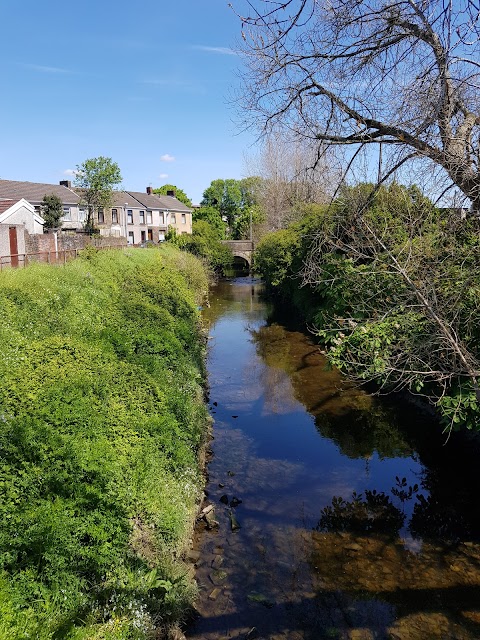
<point>179,193</point>
<point>289,176</point>
<point>403,74</point>
<point>214,219</point>
<point>205,244</point>
<point>52,211</point>
<point>230,197</point>
<point>96,179</point>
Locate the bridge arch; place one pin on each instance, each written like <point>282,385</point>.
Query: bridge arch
<point>241,249</point>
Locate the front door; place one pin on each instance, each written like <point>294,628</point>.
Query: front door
<point>12,232</point>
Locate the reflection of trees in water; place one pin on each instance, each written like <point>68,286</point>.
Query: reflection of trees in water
<point>343,413</point>
<point>372,512</point>
<point>360,426</point>
<point>361,433</point>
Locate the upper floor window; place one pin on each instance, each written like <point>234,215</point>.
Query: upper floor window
<point>114,216</point>
<point>129,216</point>
<point>149,217</point>
<point>162,217</point>
<point>142,217</point>
<point>173,218</point>
<point>184,218</point>
<point>101,216</point>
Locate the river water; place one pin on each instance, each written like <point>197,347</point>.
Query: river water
<point>340,515</point>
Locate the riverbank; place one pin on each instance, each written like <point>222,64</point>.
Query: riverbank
<point>102,428</point>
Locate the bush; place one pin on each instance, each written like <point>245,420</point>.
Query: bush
<point>101,423</point>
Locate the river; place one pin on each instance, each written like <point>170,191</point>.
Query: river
<point>340,515</point>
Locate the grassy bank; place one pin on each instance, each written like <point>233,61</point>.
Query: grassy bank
<point>101,424</point>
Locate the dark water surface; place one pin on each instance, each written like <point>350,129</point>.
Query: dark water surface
<point>356,520</point>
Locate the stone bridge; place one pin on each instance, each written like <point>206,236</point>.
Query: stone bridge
<point>242,250</point>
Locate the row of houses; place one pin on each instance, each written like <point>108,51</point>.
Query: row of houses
<point>138,217</point>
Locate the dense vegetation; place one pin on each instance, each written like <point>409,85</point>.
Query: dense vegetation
<point>101,424</point>
<point>391,285</point>
<point>205,243</point>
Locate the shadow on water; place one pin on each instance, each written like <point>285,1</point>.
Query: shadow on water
<point>356,520</point>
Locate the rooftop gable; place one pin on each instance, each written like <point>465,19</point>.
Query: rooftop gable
<point>15,206</point>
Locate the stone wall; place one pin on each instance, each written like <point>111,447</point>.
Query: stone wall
<point>70,242</point>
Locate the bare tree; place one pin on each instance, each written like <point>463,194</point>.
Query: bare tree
<point>290,175</point>
<point>403,74</point>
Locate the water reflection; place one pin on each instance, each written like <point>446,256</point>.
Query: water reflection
<point>356,522</point>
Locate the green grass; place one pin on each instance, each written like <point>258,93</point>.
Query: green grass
<point>101,424</point>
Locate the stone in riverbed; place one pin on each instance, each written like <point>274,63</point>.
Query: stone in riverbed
<point>224,499</point>
<point>234,524</point>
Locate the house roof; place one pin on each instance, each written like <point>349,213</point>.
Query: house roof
<point>6,204</point>
<point>155,201</point>
<point>34,191</point>
<point>14,206</point>
<point>122,198</point>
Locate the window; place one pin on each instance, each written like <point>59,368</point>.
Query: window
<point>149,217</point>
<point>114,216</point>
<point>184,218</point>
<point>131,237</point>
<point>38,209</point>
<point>142,217</point>
<point>161,236</point>
<point>82,216</point>
<point>129,216</point>
<point>162,217</point>
<point>173,218</point>
<point>101,216</point>
<point>67,214</point>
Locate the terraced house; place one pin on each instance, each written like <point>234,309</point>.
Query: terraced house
<point>139,217</point>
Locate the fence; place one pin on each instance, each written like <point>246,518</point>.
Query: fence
<point>61,256</point>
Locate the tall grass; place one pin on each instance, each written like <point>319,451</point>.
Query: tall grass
<point>101,424</point>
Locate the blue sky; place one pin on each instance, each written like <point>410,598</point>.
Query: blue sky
<point>146,83</point>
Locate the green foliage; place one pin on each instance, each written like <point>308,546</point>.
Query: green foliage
<point>52,211</point>
<point>101,418</point>
<point>96,178</point>
<point>230,198</point>
<point>275,256</point>
<point>179,193</point>
<point>253,213</point>
<point>361,267</point>
<point>205,244</point>
<point>212,216</point>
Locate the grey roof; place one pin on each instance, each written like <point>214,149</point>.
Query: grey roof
<point>155,201</point>
<point>122,198</point>
<point>34,191</point>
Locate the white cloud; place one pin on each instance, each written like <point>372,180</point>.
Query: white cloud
<point>70,172</point>
<point>163,176</point>
<point>44,69</point>
<point>223,50</point>
<point>167,158</point>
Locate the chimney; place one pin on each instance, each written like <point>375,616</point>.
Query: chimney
<point>149,191</point>
<point>65,183</point>
<point>171,193</point>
